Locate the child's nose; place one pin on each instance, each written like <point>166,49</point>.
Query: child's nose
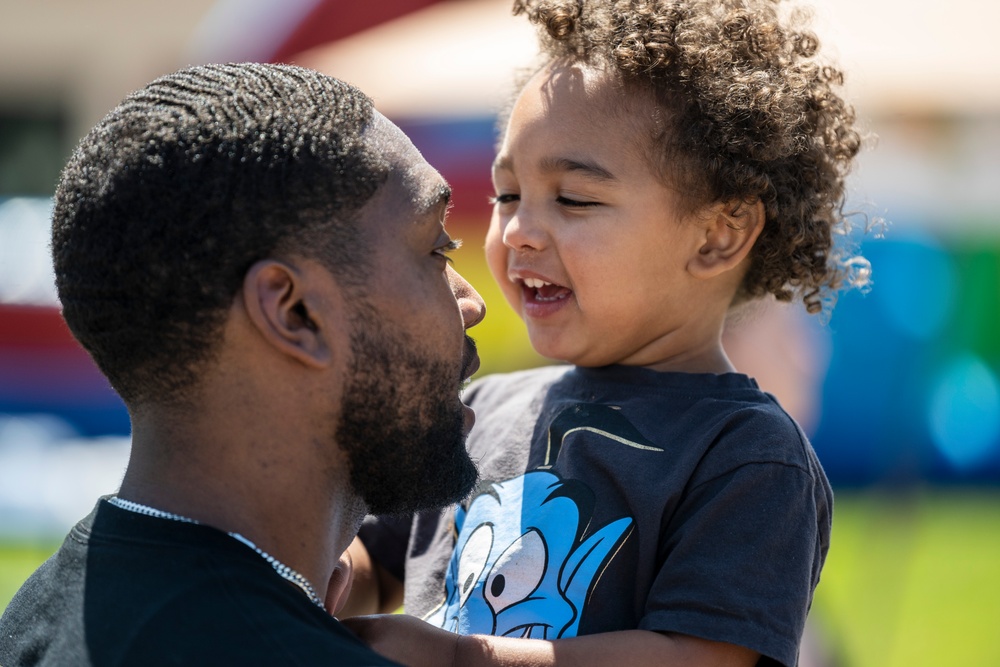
<point>524,231</point>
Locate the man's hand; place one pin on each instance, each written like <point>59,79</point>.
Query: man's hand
<point>406,639</point>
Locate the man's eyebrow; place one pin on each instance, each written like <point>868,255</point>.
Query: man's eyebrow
<point>557,164</point>
<point>438,197</point>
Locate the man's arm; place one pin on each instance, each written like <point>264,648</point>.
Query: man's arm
<point>368,587</point>
<point>413,642</point>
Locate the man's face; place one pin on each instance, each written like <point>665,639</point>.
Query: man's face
<point>402,423</point>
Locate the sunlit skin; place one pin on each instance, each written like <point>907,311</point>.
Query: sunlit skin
<point>415,283</point>
<point>579,207</point>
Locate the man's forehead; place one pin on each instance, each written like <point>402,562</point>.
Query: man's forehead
<point>421,185</point>
<point>426,188</point>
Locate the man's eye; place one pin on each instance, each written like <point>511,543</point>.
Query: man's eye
<point>450,247</point>
<point>504,199</point>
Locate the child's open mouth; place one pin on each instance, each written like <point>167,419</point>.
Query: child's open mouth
<point>539,293</point>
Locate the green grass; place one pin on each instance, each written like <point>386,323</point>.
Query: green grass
<point>17,562</point>
<point>912,579</point>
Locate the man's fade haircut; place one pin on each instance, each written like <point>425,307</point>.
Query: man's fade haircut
<point>178,191</point>
<point>746,112</point>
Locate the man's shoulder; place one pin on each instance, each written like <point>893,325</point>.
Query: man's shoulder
<point>221,611</point>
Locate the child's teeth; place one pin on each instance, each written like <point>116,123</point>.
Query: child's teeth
<point>535,283</point>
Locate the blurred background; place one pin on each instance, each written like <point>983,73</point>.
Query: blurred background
<point>899,388</point>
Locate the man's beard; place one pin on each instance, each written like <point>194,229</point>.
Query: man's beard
<point>401,423</point>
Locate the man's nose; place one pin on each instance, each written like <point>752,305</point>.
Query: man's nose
<point>470,304</point>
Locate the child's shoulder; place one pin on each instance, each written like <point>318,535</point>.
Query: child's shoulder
<point>514,383</point>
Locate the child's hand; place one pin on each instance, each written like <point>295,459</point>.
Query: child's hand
<point>340,584</point>
<point>406,639</point>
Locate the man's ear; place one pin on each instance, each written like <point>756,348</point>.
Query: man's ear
<point>731,229</point>
<point>283,310</point>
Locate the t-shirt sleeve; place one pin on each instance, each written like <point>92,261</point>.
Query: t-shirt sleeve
<point>741,557</point>
<point>386,539</point>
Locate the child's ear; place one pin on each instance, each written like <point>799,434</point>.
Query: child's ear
<point>285,311</point>
<point>731,229</point>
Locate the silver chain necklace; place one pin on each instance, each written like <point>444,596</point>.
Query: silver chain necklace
<point>283,570</point>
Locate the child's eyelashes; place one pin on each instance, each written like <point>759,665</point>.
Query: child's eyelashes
<point>574,203</point>
<point>561,200</point>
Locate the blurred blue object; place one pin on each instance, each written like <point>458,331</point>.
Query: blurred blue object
<point>964,413</point>
<point>906,398</point>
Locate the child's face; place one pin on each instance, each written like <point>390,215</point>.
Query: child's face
<point>587,243</point>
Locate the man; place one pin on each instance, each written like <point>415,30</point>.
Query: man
<point>257,261</point>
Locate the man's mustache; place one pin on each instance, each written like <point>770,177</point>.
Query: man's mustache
<point>470,358</point>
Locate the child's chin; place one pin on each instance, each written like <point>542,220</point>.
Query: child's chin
<point>552,352</point>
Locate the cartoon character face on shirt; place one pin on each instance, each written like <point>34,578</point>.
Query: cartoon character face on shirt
<point>527,577</point>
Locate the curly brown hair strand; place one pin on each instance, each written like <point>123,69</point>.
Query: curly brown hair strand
<point>749,113</point>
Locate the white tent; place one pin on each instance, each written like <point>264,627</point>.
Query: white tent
<point>454,58</point>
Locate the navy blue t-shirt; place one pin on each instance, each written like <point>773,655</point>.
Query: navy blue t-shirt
<point>620,498</point>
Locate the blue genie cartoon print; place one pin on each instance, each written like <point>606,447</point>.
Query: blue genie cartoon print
<point>525,578</point>
<point>526,557</point>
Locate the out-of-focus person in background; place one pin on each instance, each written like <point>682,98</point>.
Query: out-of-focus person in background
<point>648,504</point>
<point>257,261</point>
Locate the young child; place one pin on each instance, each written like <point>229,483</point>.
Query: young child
<point>646,504</point>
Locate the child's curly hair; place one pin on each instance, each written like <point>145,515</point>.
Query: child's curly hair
<point>749,114</point>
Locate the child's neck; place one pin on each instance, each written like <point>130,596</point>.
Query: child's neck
<point>717,365</point>
<point>711,359</point>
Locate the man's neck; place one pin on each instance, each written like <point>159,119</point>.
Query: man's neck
<point>269,490</point>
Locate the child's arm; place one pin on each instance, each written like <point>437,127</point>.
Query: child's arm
<point>369,587</point>
<point>412,642</point>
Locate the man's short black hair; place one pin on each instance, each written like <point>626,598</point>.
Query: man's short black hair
<point>170,199</point>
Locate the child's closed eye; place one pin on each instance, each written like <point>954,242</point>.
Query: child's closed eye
<point>575,203</point>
